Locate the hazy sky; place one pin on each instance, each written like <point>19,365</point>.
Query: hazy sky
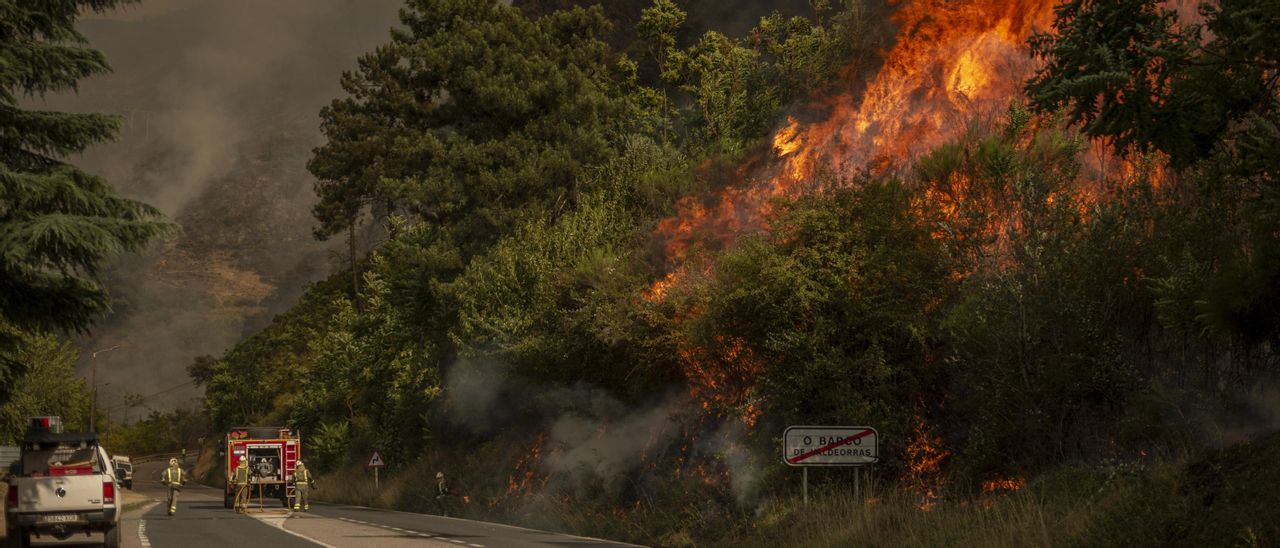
<point>221,101</point>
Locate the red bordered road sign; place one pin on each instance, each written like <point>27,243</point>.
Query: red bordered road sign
<point>376,461</point>
<point>830,445</point>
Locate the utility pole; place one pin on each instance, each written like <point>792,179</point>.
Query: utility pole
<point>93,382</point>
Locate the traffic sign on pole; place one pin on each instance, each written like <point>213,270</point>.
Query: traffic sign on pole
<point>376,462</point>
<point>830,445</point>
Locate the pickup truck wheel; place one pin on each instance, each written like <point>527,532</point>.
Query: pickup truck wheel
<point>112,538</point>
<point>17,538</point>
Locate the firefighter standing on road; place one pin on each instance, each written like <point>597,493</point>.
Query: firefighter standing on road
<point>173,478</point>
<point>442,491</point>
<point>302,487</point>
<point>241,480</point>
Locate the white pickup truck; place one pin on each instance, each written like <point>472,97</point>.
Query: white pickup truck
<point>63,486</point>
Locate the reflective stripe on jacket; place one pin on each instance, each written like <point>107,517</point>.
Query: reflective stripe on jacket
<point>168,475</point>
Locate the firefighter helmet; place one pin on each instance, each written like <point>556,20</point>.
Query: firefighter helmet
<point>439,475</point>
<point>173,462</point>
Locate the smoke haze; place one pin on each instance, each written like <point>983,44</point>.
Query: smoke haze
<point>593,441</point>
<point>220,100</point>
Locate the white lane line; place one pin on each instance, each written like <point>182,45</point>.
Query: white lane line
<point>491,523</point>
<point>409,532</point>
<point>142,534</point>
<point>278,523</point>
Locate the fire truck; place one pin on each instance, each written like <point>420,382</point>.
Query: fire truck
<point>272,453</point>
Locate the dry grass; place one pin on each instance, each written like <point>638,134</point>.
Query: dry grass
<point>1219,498</point>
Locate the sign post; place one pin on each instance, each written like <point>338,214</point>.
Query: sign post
<point>806,446</point>
<point>376,462</point>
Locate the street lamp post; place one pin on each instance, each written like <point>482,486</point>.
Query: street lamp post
<point>93,381</point>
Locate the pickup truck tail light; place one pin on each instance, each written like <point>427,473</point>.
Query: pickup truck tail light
<point>108,492</point>
<point>11,498</point>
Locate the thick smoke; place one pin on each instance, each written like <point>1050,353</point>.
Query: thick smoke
<point>220,100</point>
<point>593,441</point>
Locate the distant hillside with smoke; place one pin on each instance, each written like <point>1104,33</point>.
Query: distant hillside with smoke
<point>220,100</point>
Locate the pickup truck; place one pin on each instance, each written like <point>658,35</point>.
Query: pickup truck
<point>63,485</point>
<point>124,470</point>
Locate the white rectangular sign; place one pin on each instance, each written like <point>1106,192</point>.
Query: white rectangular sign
<point>830,445</point>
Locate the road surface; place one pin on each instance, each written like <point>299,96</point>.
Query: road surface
<point>201,522</point>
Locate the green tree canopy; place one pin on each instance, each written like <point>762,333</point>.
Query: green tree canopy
<point>472,116</point>
<point>1205,93</point>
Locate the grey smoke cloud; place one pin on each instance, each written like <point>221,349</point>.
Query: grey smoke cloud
<point>220,100</point>
<point>593,440</point>
<point>599,445</point>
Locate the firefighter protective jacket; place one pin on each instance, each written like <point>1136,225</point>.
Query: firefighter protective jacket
<point>302,476</point>
<point>173,476</point>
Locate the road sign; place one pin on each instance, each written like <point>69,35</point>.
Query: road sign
<point>830,445</point>
<point>376,461</point>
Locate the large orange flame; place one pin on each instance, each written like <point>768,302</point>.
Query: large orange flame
<point>954,61</point>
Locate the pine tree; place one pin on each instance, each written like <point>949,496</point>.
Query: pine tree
<point>57,223</point>
<point>473,116</point>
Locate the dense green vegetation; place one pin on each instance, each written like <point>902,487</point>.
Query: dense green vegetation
<point>984,302</point>
<point>989,311</point>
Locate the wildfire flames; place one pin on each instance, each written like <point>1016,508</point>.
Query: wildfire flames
<point>1003,485</point>
<point>953,61</point>
<point>925,456</point>
<point>721,379</point>
<point>525,475</point>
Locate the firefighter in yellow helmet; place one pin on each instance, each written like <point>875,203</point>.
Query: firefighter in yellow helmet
<point>302,483</point>
<point>241,480</point>
<point>173,478</point>
<point>442,491</point>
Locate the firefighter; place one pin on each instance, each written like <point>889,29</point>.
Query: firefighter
<point>264,469</point>
<point>442,491</point>
<point>241,481</point>
<point>174,479</point>
<point>302,486</point>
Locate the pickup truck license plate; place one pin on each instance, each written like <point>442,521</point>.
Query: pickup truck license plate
<point>60,518</point>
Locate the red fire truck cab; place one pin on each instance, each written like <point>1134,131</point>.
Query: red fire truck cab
<point>272,453</point>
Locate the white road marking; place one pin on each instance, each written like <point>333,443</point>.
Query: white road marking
<point>142,534</point>
<point>407,532</point>
<point>489,523</point>
<point>277,521</point>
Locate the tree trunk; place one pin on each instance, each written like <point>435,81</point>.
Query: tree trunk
<point>355,272</point>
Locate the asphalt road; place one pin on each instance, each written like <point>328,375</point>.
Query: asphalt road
<point>201,521</point>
